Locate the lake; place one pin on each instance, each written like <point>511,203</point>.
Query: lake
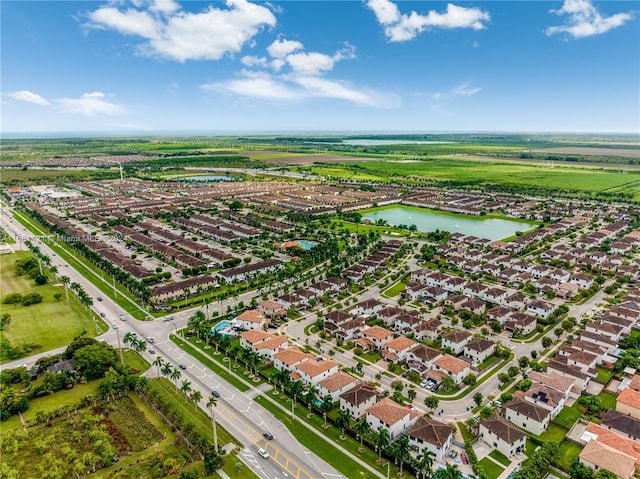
<point>490,228</point>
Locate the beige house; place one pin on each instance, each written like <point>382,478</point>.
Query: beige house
<point>357,400</point>
<point>629,402</point>
<point>600,456</point>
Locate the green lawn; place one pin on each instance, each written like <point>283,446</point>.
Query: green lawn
<point>608,400</point>
<point>188,411</point>
<point>501,458</point>
<point>567,452</point>
<point>490,468</point>
<point>568,416</point>
<point>553,434</point>
<point>467,436</point>
<point>65,397</point>
<point>488,362</point>
<point>394,290</point>
<point>529,447</point>
<point>50,324</point>
<point>132,359</point>
<point>604,375</point>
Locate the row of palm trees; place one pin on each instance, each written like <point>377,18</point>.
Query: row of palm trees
<point>165,368</point>
<point>130,340</point>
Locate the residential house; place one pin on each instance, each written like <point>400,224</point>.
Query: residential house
<point>628,402</point>
<point>619,422</point>
<point>597,455</point>
<point>252,319</point>
<point>336,385</point>
<point>378,336</point>
<point>396,350</point>
<point>478,349</point>
<point>368,307</point>
<point>541,309</point>
<point>456,340</point>
<point>391,416</point>
<point>502,435</point>
<point>317,369</point>
<point>430,434</point>
<point>358,399</point>
<point>271,309</point>
<point>526,415</point>
<point>290,358</point>
<point>423,355</point>
<point>456,369</point>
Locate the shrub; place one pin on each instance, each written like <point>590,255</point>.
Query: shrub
<point>31,298</point>
<point>13,298</point>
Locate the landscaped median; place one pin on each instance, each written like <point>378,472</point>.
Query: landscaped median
<point>306,430</point>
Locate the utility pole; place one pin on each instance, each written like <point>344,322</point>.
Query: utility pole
<point>118,335</point>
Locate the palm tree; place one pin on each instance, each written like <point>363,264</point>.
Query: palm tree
<point>253,359</point>
<point>128,339</point>
<point>451,471</point>
<point>211,404</point>
<point>186,386</point>
<point>400,450</point>
<point>382,441</point>
<point>327,404</point>
<point>140,345</point>
<point>343,420</point>
<point>158,363</point>
<point>196,396</point>
<point>295,388</point>
<point>361,428</point>
<point>425,462</point>
<point>175,375</point>
<point>448,383</point>
<point>312,394</point>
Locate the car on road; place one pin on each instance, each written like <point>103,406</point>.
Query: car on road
<point>267,435</point>
<point>215,394</point>
<point>102,315</point>
<point>150,339</point>
<point>262,453</point>
<point>152,351</point>
<point>122,318</point>
<point>99,298</point>
<point>182,366</point>
<point>168,318</point>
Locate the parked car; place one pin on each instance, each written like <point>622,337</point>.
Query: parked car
<point>465,459</point>
<point>264,454</point>
<point>453,453</point>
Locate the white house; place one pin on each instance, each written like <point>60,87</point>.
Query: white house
<point>392,416</point>
<point>358,399</point>
<point>502,435</point>
<point>528,416</point>
<point>433,435</point>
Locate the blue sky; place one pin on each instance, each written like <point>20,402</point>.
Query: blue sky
<point>373,65</point>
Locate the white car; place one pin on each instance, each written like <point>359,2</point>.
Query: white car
<point>262,453</point>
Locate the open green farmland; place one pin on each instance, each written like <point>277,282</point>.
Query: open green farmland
<point>492,173</point>
<point>19,177</point>
<point>50,323</point>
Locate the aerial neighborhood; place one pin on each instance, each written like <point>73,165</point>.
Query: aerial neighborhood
<point>482,352</point>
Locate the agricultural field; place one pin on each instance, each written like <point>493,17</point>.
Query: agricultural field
<point>100,437</point>
<point>32,176</point>
<point>49,324</point>
<point>519,176</point>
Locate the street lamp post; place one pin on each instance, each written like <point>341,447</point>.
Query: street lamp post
<point>118,336</point>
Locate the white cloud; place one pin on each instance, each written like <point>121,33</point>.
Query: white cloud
<point>89,104</point>
<point>282,48</point>
<point>253,61</point>
<point>29,97</point>
<point>400,27</point>
<point>262,86</point>
<point>465,90</point>
<point>178,35</point>
<point>310,63</point>
<point>584,20</point>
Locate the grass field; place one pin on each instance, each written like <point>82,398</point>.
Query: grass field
<point>553,434</point>
<point>512,174</point>
<point>568,416</point>
<point>501,458</point>
<point>608,400</point>
<point>490,468</point>
<point>51,323</point>
<point>11,177</point>
<point>567,452</point>
<point>363,229</point>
